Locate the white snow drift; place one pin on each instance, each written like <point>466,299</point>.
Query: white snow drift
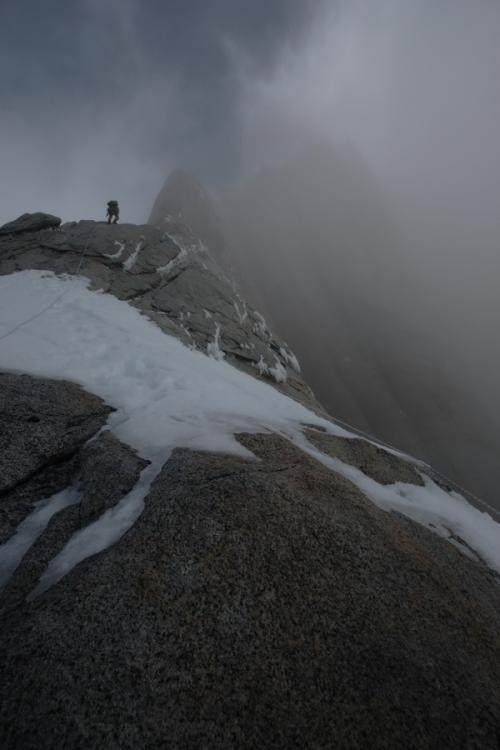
<point>167,395</point>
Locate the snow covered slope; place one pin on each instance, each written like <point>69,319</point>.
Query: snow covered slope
<point>243,532</point>
<point>169,275</point>
<point>167,396</point>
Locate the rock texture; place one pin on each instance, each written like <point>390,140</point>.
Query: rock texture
<point>105,470</point>
<point>109,469</point>
<point>43,425</point>
<point>30,223</point>
<point>258,604</point>
<point>45,429</point>
<point>169,275</point>
<point>42,421</point>
<point>374,461</point>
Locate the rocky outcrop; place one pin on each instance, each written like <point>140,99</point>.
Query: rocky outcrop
<point>371,459</point>
<point>30,223</point>
<point>42,421</point>
<point>104,470</point>
<point>109,470</point>
<point>169,275</point>
<point>45,429</point>
<point>43,425</point>
<point>258,604</point>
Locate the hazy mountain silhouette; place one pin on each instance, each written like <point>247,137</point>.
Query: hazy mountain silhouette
<point>320,250</point>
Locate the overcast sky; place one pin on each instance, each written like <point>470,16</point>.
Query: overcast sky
<point>101,98</point>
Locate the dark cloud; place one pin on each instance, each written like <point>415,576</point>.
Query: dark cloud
<point>133,88</point>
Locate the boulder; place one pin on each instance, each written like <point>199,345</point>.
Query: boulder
<point>30,223</point>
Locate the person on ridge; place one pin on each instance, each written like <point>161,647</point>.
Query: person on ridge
<point>113,212</point>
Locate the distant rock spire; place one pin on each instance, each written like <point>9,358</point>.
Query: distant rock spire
<point>185,200</point>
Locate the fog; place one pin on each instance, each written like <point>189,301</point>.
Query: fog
<point>354,150</point>
<point>377,252</point>
<point>102,98</point>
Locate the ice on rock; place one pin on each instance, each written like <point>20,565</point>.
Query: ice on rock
<point>167,395</point>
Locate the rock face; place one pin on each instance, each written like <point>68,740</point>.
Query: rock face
<point>30,223</point>
<point>42,421</point>
<point>253,603</point>
<point>170,276</point>
<point>43,425</point>
<point>104,471</point>
<point>258,604</point>
<point>109,470</point>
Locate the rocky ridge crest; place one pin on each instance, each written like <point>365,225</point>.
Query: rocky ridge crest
<point>171,277</point>
<point>253,604</point>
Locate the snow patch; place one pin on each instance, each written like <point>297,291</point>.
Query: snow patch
<point>162,270</point>
<point>167,395</point>
<point>242,314</point>
<point>119,252</point>
<point>447,514</point>
<point>213,348</point>
<point>290,359</point>
<point>260,327</point>
<point>13,551</point>
<point>100,534</point>
<point>278,372</point>
<point>194,247</point>
<point>130,262</point>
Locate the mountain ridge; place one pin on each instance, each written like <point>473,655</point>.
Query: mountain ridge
<point>224,565</point>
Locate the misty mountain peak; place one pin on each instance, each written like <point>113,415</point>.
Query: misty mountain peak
<point>184,184</point>
<point>183,198</point>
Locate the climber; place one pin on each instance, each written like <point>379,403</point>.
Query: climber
<point>113,212</point>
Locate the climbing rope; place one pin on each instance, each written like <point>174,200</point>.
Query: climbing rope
<point>438,474</point>
<point>466,493</point>
<point>355,430</point>
<point>54,301</point>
